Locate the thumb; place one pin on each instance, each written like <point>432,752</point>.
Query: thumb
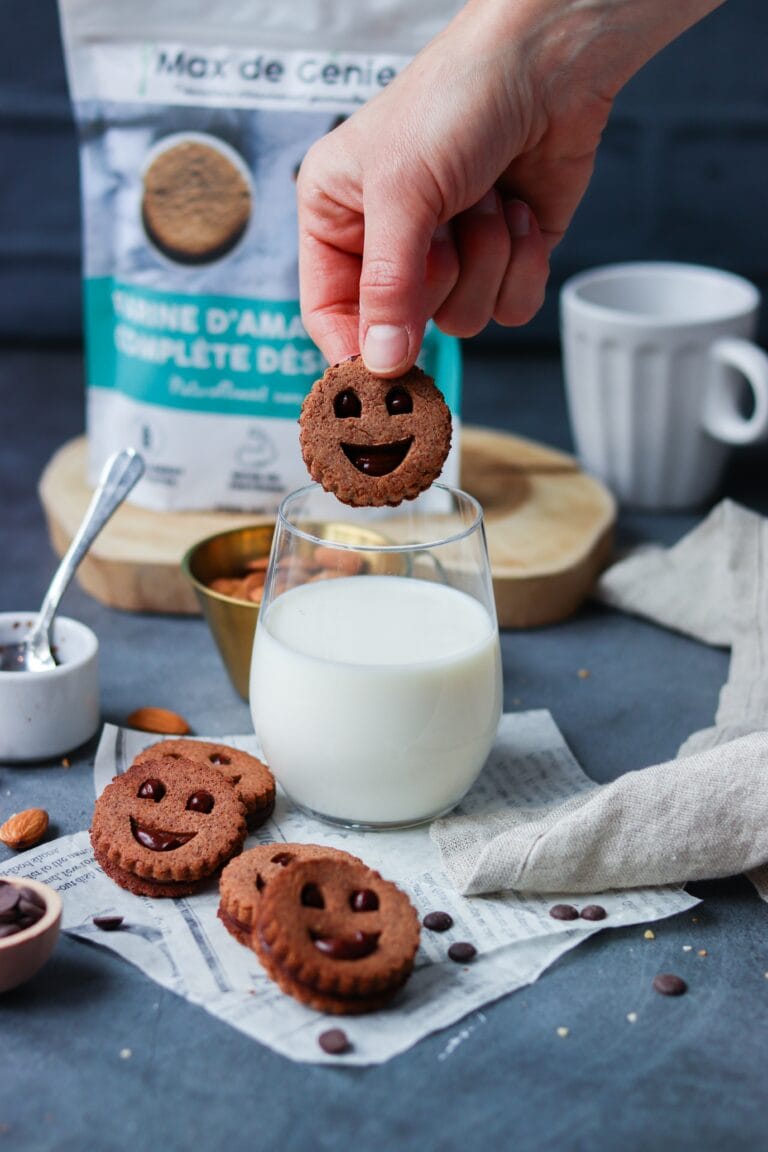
<point>398,234</point>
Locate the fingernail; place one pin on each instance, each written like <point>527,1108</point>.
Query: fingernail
<point>518,217</point>
<point>385,347</point>
<point>488,206</point>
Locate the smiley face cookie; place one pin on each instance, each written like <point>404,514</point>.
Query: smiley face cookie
<point>253,781</point>
<point>244,879</point>
<point>335,935</point>
<point>164,826</point>
<point>372,441</point>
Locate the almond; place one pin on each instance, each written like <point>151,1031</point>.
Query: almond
<point>24,829</point>
<point>338,561</point>
<point>158,720</point>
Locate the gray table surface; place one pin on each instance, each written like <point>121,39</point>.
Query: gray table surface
<point>689,1073</point>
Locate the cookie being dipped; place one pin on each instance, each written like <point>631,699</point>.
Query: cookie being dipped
<point>371,441</point>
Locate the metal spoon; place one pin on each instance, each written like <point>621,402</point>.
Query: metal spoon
<point>120,473</point>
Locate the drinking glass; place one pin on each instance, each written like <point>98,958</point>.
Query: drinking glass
<point>375,683</point>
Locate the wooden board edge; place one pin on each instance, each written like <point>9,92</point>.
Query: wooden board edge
<point>540,600</point>
<point>536,457</point>
<point>156,589</point>
<point>530,601</point>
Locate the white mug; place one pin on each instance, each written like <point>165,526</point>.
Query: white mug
<point>655,356</point>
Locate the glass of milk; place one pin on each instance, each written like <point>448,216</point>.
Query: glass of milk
<point>375,683</point>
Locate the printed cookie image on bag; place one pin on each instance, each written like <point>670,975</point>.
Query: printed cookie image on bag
<point>196,200</point>
<point>194,118</point>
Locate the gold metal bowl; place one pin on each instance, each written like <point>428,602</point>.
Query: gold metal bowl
<point>233,621</point>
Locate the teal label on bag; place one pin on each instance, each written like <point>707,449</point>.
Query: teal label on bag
<point>221,354</point>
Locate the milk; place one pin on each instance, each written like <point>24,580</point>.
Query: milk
<point>376,698</point>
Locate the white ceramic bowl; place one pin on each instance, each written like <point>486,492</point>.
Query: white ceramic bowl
<point>24,954</point>
<point>46,714</point>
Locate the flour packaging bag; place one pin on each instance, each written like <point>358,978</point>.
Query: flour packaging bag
<point>194,116</point>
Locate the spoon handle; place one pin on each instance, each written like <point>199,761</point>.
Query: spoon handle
<point>120,473</point>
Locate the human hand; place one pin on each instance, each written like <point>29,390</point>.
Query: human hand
<point>445,195</point>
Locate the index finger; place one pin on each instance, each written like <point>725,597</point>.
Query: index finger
<point>329,286</point>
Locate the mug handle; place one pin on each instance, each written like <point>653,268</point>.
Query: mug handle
<point>721,417</point>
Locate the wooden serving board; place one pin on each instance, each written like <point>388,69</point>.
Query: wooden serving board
<point>549,527</point>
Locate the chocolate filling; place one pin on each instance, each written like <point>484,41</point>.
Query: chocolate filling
<point>256,817</point>
<point>354,947</point>
<point>351,998</point>
<point>151,882</point>
<point>156,839</point>
<point>377,459</point>
<point>228,918</point>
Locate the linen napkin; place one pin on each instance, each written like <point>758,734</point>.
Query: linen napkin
<point>701,816</point>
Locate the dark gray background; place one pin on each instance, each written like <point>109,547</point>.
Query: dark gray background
<point>682,174</point>
<point>682,171</point>
<point>689,1075</point>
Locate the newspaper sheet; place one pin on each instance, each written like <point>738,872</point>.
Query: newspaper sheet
<point>182,945</point>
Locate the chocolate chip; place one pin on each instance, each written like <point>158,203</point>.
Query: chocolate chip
<point>346,404</point>
<point>364,901</point>
<point>593,912</point>
<point>9,897</point>
<point>152,790</point>
<point>563,912</point>
<point>20,908</point>
<point>200,802</point>
<point>399,401</point>
<point>219,760</point>
<point>438,921</point>
<point>334,1041</point>
<point>28,910</point>
<point>32,896</point>
<point>462,952</point>
<point>669,985</point>
<point>283,859</point>
<point>108,923</point>
<point>312,897</point>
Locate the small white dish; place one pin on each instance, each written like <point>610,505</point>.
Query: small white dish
<point>46,714</point>
<point>23,954</point>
